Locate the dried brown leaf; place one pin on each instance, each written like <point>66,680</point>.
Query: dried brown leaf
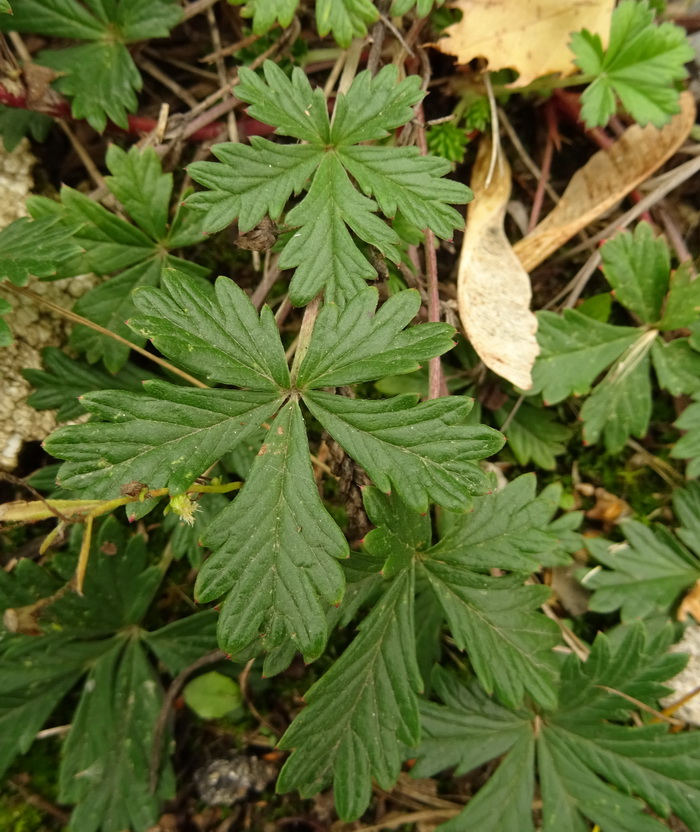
<point>604,180</point>
<point>530,36</point>
<point>493,289</point>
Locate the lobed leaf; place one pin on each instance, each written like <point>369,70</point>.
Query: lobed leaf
<point>361,712</point>
<point>323,251</point>
<point>221,336</point>
<point>591,768</point>
<point>165,439</point>
<point>360,343</point>
<point>123,696</point>
<point>574,350</point>
<point>640,66</point>
<point>644,577</point>
<point>250,181</point>
<point>423,451</point>
<point>275,549</point>
<point>637,266</point>
<point>346,19</point>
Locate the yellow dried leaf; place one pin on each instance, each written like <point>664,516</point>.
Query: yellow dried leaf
<point>529,36</point>
<point>493,289</point>
<point>604,180</point>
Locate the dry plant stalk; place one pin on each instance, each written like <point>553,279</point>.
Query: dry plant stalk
<point>604,180</point>
<point>493,289</point>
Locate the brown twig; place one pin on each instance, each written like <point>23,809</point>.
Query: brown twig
<point>245,693</point>
<point>79,319</point>
<point>173,692</point>
<point>436,380</point>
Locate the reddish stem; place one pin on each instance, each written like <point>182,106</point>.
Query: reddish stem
<point>59,107</point>
<point>436,379</point>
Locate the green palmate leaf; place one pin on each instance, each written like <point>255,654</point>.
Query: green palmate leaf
<point>266,13</point>
<point>590,769</point>
<point>35,677</point>
<point>640,66</point>
<point>252,181</point>
<point>346,19</point>
<point>637,266</point>
<point>118,589</point>
<point>508,529</point>
<point>358,344</point>
<point>290,104</point>
<point>422,7</point>
<point>35,248</point>
<point>400,179</point>
<point>5,7</point>
<point>688,446</point>
<point>180,644</point>
<point>220,336</point>
<point>534,435</point>
<point>100,76</point>
<point>374,106</point>
<point>683,302</point>
<point>424,451</point>
<point>621,404</point>
<point>15,124</point>
<point>323,251</point>
<point>496,617</point>
<point>143,189</point>
<point>123,697</point>
<point>275,549</point>
<point>64,379</point>
<point>646,575</point>
<point>574,350</point>
<point>361,711</point>
<point>677,365</point>
<point>487,616</point>
<point>106,758</point>
<point>111,245</point>
<point>165,439</point>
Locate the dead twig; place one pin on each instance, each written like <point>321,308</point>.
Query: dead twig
<point>173,692</point>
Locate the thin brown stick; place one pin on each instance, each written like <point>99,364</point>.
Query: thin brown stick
<point>155,72</point>
<point>39,802</point>
<point>538,201</point>
<point>221,72</point>
<point>426,816</point>
<point>84,156</point>
<point>198,7</point>
<point>19,481</point>
<point>245,693</point>
<point>270,276</point>
<point>173,692</point>
<point>78,319</point>
<point>436,380</point>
